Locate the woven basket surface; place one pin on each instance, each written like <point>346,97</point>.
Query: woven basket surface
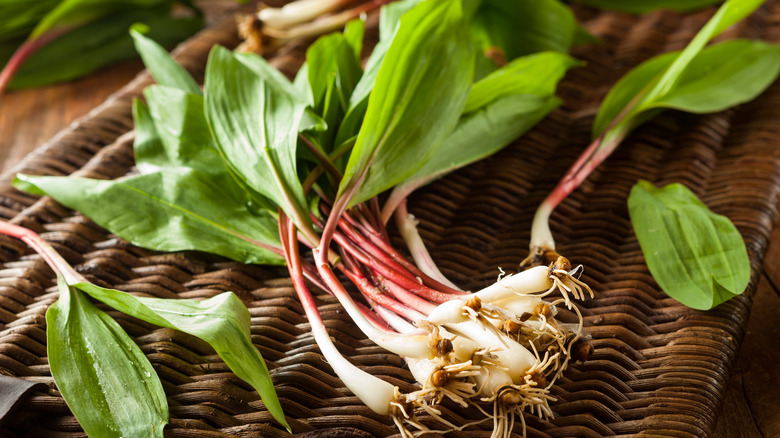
<point>658,367</point>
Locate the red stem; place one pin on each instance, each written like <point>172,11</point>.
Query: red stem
<point>393,254</point>
<point>49,255</point>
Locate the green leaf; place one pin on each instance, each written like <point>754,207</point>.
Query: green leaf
<point>172,210</point>
<point>522,27</point>
<point>148,148</point>
<point>648,85</point>
<point>21,16</point>
<point>696,256</point>
<point>492,127</point>
<point>536,74</point>
<point>160,64</point>
<point>389,20</point>
<point>500,108</point>
<point>255,115</point>
<point>722,76</point>
<point>222,321</point>
<point>333,72</point>
<point>102,374</point>
<point>645,6</point>
<point>74,13</point>
<point>98,44</point>
<point>419,93</point>
<point>184,134</point>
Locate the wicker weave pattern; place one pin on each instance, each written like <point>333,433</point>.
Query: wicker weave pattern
<point>658,369</point>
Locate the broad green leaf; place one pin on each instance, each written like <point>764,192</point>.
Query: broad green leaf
<point>222,321</point>
<point>522,27</point>
<point>731,12</point>
<point>255,114</point>
<point>696,256</point>
<point>656,79</point>
<point>147,146</point>
<point>160,64</point>
<point>645,6</point>
<point>536,74</point>
<point>500,108</point>
<point>389,20</point>
<point>181,125</point>
<point>98,44</point>
<point>172,210</point>
<point>101,372</point>
<point>722,76</point>
<point>478,135</point>
<point>419,93</point>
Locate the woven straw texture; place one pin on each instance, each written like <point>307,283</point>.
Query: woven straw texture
<point>658,368</point>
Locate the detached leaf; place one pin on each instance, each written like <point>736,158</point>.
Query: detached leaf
<point>696,256</point>
<point>222,321</point>
<point>419,93</point>
<point>101,372</point>
<point>645,6</point>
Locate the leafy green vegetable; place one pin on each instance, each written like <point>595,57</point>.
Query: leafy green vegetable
<point>419,92</point>
<point>536,74</point>
<point>500,108</point>
<point>721,76</point>
<point>389,21</point>
<point>333,72</point>
<point>187,199</point>
<point>102,374</point>
<point>645,6</point>
<point>655,81</point>
<point>160,64</point>
<point>222,321</point>
<point>522,27</point>
<point>175,210</point>
<point>255,115</point>
<point>95,45</point>
<point>696,256</point>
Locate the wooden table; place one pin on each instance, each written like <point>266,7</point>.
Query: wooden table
<point>29,118</point>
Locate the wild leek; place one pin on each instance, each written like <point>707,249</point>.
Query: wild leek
<point>263,170</point>
<point>698,79</point>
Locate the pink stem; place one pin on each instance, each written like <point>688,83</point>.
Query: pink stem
<point>404,296</point>
<point>383,245</point>
<point>49,254</point>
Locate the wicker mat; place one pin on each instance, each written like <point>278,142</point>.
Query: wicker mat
<point>658,368</point>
